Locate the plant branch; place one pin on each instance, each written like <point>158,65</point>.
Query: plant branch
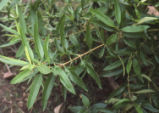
<point>81,55</point>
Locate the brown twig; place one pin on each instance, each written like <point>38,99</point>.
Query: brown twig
<point>81,55</point>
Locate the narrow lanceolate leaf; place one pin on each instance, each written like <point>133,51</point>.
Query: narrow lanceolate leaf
<point>112,66</point>
<point>48,86</point>
<point>113,73</point>
<point>61,30</point>
<point>64,79</point>
<point>146,19</point>
<point>46,49</point>
<point>21,26</point>
<point>103,18</point>
<point>130,43</point>
<point>34,90</point>
<point>145,91</point>
<point>112,39</point>
<point>117,11</point>
<point>3,3</point>
<point>151,108</point>
<point>88,37</point>
<point>128,66</point>
<point>136,67</point>
<point>135,28</point>
<point>37,39</point>
<point>21,76</point>
<point>12,61</point>
<point>94,75</point>
<point>77,80</point>
<point>10,43</point>
<point>8,29</point>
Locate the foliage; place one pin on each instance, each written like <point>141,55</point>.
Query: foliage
<point>82,42</point>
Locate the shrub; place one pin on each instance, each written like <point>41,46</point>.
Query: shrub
<point>72,41</point>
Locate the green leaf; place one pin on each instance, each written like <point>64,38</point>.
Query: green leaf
<point>146,77</point>
<point>118,91</point>
<point>77,80</point>
<point>103,18</point>
<point>46,49</point>
<point>48,86</point>
<point>120,102</point>
<point>43,69</point>
<point>20,51</point>
<point>88,37</point>
<point>21,76</point>
<point>10,43</point>
<point>113,73</point>
<point>117,11</point>
<point>112,39</point>
<point>74,40</point>
<point>3,3</point>
<point>146,19</point>
<point>85,101</point>
<point>135,28</point>
<point>150,108</point>
<point>61,29</point>
<point>8,29</point>
<point>37,40</point>
<point>144,91</point>
<point>21,26</point>
<point>93,74</point>
<point>64,79</point>
<point>101,52</point>
<point>136,66</point>
<point>112,66</point>
<point>128,66</point>
<point>130,43</point>
<point>12,61</point>
<point>138,108</point>
<point>34,90</point>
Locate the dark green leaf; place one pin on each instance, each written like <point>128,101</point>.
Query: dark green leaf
<point>48,85</point>
<point>112,39</point>
<point>136,66</point>
<point>135,28</point>
<point>151,108</point>
<point>77,80</point>
<point>34,90</point>
<point>117,11</point>
<point>128,66</point>
<point>112,66</point>
<point>113,73</point>
<point>103,18</point>
<point>64,79</point>
<point>21,76</point>
<point>46,49</point>
<point>88,37</point>
<point>130,43</point>
<point>94,75</point>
